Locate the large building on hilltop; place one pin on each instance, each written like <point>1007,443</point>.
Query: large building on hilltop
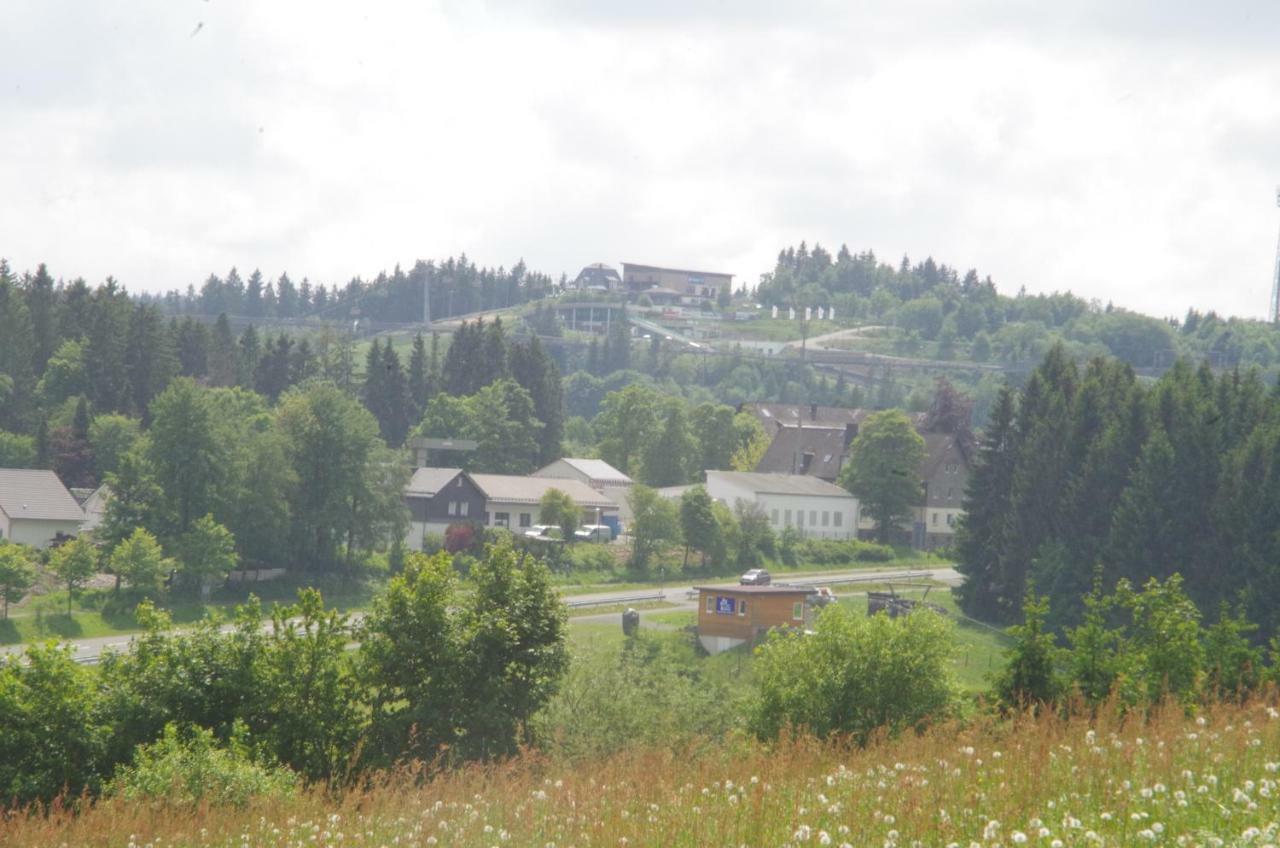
<point>690,286</point>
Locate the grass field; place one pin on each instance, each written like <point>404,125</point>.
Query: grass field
<point>95,613</point>
<point>1171,779</point>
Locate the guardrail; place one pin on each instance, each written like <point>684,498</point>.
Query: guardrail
<point>608,602</point>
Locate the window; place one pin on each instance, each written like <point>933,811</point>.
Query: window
<point>453,507</point>
<point>826,518</point>
<point>813,518</point>
<point>950,491</point>
<point>837,519</point>
<point>464,507</point>
<point>711,604</point>
<point>935,519</point>
<point>799,517</point>
<point>788,518</point>
<point>951,520</point>
<point>742,607</point>
<point>502,519</point>
<point>773,517</point>
<point>526,520</point>
<point>797,610</point>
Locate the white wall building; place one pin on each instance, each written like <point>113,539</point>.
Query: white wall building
<point>35,507</point>
<point>816,508</point>
<point>597,474</point>
<point>514,502</point>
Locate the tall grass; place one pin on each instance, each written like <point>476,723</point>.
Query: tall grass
<point>1168,779</point>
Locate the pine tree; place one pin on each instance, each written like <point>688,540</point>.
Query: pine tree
<point>247,356</point>
<point>42,304</point>
<point>418,376</point>
<point>222,354</point>
<point>980,535</point>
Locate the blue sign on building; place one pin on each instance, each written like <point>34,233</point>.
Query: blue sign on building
<point>725,606</point>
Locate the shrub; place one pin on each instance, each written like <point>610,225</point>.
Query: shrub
<point>591,558</point>
<point>837,551</point>
<point>185,766</point>
<point>459,537</point>
<point>646,693</point>
<point>854,674</point>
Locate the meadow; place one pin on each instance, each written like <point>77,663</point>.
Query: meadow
<point>1165,779</point>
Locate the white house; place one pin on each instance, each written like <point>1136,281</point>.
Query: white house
<point>816,508</point>
<point>597,474</point>
<point>35,508</point>
<point>511,501</point>
<point>95,508</point>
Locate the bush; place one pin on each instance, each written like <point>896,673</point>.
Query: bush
<point>648,693</point>
<point>854,674</point>
<point>591,558</point>
<point>185,766</point>
<point>838,552</point>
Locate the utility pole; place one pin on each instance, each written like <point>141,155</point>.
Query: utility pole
<point>1274,311</point>
<point>426,299</point>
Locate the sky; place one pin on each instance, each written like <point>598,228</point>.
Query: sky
<point>1125,151</point>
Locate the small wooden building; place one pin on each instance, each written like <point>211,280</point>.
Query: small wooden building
<point>729,616</point>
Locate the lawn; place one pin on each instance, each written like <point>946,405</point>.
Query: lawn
<point>95,613</point>
<point>775,329</point>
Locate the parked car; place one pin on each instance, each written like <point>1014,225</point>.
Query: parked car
<point>545,531</point>
<point>594,533</point>
<point>756,577</point>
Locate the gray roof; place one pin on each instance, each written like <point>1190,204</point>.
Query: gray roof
<point>780,484</point>
<point>506,488</point>
<point>595,469</point>
<point>817,451</point>
<point>427,481</point>
<point>32,494</point>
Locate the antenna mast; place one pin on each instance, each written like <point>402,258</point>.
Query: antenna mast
<point>1274,312</point>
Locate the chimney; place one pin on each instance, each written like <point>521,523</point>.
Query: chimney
<point>850,433</point>
<point>813,412</point>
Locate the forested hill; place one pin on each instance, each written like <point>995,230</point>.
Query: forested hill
<point>458,287</point>
<point>940,311</point>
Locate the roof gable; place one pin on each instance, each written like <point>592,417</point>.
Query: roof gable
<point>596,470</point>
<point>778,484</point>
<point>36,495</point>
<point>508,488</point>
<point>427,481</point>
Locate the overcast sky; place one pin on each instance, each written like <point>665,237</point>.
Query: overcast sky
<point>1126,151</point>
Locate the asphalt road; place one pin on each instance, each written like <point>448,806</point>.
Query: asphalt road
<point>90,650</point>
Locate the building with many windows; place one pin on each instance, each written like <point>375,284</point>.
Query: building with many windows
<point>689,286</point>
<point>814,507</point>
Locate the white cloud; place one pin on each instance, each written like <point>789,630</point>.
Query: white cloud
<point>1125,153</point>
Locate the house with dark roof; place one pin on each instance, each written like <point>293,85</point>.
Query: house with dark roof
<point>811,506</point>
<point>35,508</point>
<point>805,439</point>
<point>436,498</point>
<point>597,474</point>
<point>598,277</point>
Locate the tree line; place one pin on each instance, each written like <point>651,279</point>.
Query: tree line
<point>1089,471</point>
<point>457,286</point>
<point>942,312</point>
